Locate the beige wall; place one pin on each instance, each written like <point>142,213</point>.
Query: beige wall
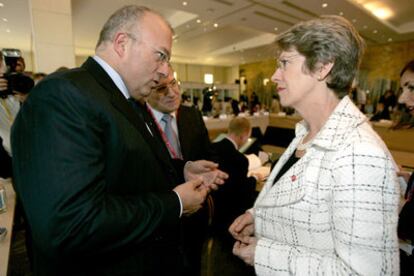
<point>386,61</point>
<point>380,68</point>
<point>195,73</point>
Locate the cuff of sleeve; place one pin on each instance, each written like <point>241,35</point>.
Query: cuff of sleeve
<point>171,207</point>
<point>272,258</point>
<point>181,203</point>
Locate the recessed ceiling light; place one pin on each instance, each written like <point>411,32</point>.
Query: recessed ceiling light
<point>341,13</point>
<point>390,39</point>
<point>5,19</point>
<point>215,25</point>
<point>354,20</point>
<point>185,3</point>
<point>324,5</point>
<point>375,31</point>
<point>1,5</point>
<point>275,29</point>
<point>198,21</point>
<point>379,10</point>
<point>8,31</point>
<point>365,27</point>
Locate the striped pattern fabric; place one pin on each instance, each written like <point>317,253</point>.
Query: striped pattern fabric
<point>335,211</point>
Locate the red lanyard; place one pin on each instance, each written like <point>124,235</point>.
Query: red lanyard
<point>164,137</point>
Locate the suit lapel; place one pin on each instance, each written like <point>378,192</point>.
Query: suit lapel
<point>183,134</point>
<point>135,116</point>
<point>117,98</point>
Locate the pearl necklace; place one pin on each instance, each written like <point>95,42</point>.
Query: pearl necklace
<point>304,146</point>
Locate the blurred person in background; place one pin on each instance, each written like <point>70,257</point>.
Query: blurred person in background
<point>14,89</point>
<point>406,221</point>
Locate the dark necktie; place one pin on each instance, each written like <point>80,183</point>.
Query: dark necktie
<point>171,136</point>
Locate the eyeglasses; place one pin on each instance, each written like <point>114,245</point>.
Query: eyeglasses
<point>164,89</point>
<point>162,57</point>
<point>283,62</point>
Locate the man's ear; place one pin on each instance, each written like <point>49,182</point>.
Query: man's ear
<point>324,70</point>
<point>120,43</point>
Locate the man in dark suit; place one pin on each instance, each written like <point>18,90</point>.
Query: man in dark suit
<point>239,192</point>
<point>233,198</point>
<point>100,194</point>
<point>193,144</point>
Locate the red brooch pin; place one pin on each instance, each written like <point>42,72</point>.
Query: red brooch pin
<point>293,178</point>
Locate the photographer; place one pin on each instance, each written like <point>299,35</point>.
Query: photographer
<point>14,88</point>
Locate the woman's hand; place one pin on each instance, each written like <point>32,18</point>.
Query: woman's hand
<point>245,249</point>
<point>242,227</point>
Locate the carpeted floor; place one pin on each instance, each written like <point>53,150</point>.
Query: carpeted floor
<point>19,262</point>
<point>216,259</point>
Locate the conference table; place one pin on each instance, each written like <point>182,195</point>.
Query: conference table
<point>400,142</point>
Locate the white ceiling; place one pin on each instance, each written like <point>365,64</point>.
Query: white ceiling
<point>246,28</point>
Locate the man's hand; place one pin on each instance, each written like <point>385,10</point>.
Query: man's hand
<point>242,227</point>
<point>192,195</point>
<point>3,83</point>
<point>207,171</point>
<point>245,250</point>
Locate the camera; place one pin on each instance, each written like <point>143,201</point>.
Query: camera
<point>16,81</point>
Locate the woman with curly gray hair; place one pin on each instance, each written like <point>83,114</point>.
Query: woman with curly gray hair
<point>330,205</point>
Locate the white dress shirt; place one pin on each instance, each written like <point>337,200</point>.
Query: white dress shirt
<point>9,107</point>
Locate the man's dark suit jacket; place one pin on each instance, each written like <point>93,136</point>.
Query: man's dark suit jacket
<point>238,193</point>
<point>194,140</point>
<point>95,185</point>
<point>195,145</point>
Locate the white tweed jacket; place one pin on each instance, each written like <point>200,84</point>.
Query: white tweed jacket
<point>335,211</point>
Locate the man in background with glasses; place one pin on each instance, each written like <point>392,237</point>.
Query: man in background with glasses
<point>192,144</point>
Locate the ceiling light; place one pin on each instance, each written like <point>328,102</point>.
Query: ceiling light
<point>1,5</point>
<point>390,39</point>
<point>215,25</point>
<point>8,31</point>
<point>341,13</point>
<point>275,29</point>
<point>354,20</point>
<point>324,5</point>
<point>185,3</point>
<point>208,78</point>
<point>379,10</point>
<point>375,31</point>
<point>365,27</point>
<point>198,21</point>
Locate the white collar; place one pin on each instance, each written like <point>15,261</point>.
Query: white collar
<point>116,78</point>
<point>231,140</point>
<point>158,114</point>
